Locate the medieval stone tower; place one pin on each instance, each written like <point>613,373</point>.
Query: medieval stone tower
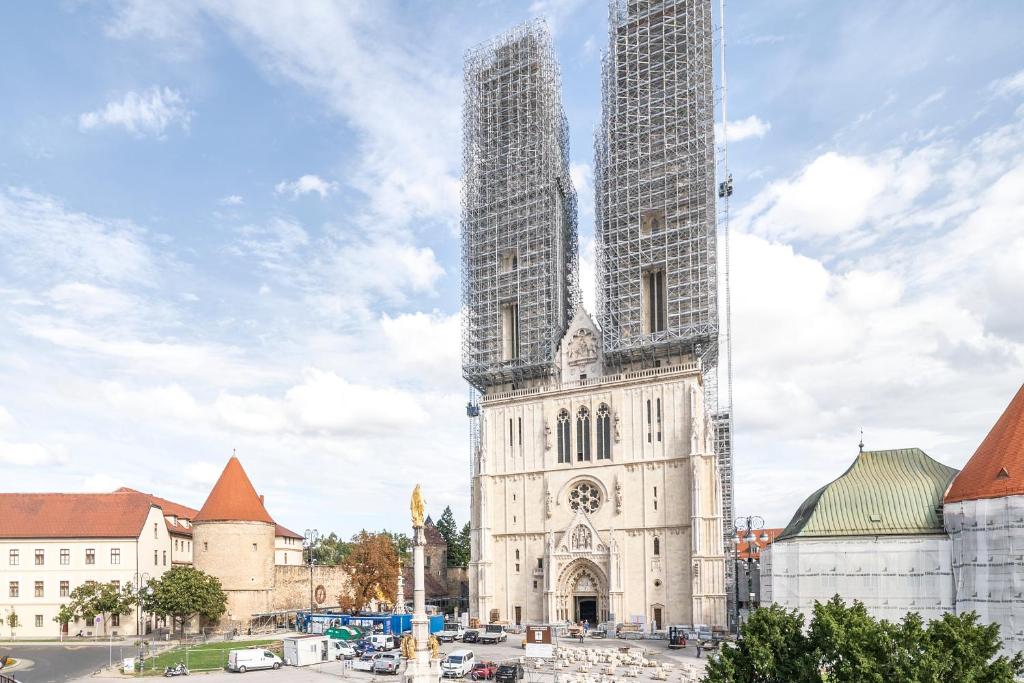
<point>233,538</point>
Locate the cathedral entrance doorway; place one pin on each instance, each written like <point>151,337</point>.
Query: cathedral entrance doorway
<point>582,593</point>
<point>586,610</point>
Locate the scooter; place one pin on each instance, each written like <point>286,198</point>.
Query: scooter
<point>178,669</point>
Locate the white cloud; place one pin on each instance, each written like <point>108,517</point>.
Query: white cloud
<point>101,483</point>
<point>78,299</point>
<point>6,420</point>
<point>232,200</point>
<point>305,185</point>
<point>1010,85</point>
<point>742,129</point>
<point>28,454</point>
<point>45,242</point>
<point>147,113</point>
<point>203,472</point>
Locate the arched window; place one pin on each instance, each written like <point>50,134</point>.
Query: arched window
<point>583,434</point>
<point>604,433</point>
<point>657,546</point>
<point>563,437</point>
<point>517,552</point>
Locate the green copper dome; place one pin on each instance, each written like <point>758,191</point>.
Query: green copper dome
<point>883,492</point>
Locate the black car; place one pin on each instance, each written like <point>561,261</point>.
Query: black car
<point>471,636</point>
<point>510,672</point>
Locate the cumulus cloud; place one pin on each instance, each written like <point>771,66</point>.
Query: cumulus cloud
<point>147,113</point>
<point>305,185</point>
<point>232,200</point>
<point>742,129</point>
<point>28,454</point>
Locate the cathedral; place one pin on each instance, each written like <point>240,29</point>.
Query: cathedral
<point>598,479</point>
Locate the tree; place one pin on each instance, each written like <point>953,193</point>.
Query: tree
<point>183,593</point>
<point>449,531</point>
<point>372,570</point>
<point>845,644</point>
<point>65,615</point>
<point>460,556</point>
<point>402,544</point>
<point>772,649</point>
<point>12,620</point>
<point>331,550</point>
<point>93,599</point>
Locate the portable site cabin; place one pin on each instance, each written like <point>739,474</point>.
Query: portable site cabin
<point>394,624</point>
<point>305,650</point>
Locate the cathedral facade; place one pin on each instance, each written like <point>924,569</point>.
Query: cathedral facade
<point>597,497</point>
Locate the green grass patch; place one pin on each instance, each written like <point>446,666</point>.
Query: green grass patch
<point>206,657</point>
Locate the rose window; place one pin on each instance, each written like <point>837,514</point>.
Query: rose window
<point>586,497</point>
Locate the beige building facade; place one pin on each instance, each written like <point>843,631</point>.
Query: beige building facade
<point>597,497</point>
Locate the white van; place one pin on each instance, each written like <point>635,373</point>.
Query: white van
<point>252,658</point>
<point>382,642</point>
<point>457,664</point>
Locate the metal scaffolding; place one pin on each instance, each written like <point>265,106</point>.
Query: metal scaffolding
<point>655,204</point>
<point>520,277</point>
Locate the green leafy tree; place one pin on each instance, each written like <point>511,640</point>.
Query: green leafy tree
<point>331,550</point>
<point>12,620</point>
<point>402,544</point>
<point>449,530</point>
<point>462,546</point>
<point>93,599</point>
<point>845,644</point>
<point>65,615</point>
<point>772,649</point>
<point>183,593</point>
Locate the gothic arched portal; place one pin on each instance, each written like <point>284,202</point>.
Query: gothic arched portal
<point>582,593</point>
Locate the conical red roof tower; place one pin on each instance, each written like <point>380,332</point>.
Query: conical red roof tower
<point>997,468</point>
<point>233,498</point>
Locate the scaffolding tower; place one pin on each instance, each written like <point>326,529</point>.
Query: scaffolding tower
<point>655,200</point>
<point>520,276</point>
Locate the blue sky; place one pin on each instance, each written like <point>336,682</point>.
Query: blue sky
<point>235,226</point>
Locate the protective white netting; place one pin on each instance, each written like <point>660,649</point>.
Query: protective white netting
<point>988,560</point>
<point>891,575</point>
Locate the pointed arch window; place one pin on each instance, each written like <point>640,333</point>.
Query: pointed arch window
<point>583,434</point>
<point>604,433</point>
<point>563,437</point>
<point>657,546</point>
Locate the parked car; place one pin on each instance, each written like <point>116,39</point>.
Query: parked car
<point>251,659</point>
<point>451,632</point>
<point>493,633</point>
<point>471,635</point>
<point>366,661</point>
<point>364,646</point>
<point>457,664</point>
<point>483,671</point>
<point>388,663</point>
<point>342,649</point>
<point>510,672</point>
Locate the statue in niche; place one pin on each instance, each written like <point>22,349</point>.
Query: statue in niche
<point>549,501</point>
<point>618,495</point>
<point>615,422</point>
<point>694,435</point>
<point>547,436</point>
<point>582,539</point>
<point>709,446</point>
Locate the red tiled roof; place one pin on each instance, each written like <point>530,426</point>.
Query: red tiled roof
<point>233,498</point>
<point>171,509</point>
<point>997,468</point>
<point>743,548</point>
<point>73,515</point>
<point>281,531</point>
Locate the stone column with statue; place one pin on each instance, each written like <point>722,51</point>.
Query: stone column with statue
<point>420,648</point>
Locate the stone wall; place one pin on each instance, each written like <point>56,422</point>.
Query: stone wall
<point>291,586</point>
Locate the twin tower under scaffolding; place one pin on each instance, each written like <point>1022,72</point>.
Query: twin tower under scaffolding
<point>654,160</point>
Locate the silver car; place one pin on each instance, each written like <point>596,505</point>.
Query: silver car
<point>388,663</point>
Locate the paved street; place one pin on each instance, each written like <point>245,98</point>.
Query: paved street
<point>656,649</point>
<point>56,663</point>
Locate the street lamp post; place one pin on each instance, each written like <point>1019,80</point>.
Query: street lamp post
<point>309,541</point>
<point>142,591</point>
<point>744,529</point>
